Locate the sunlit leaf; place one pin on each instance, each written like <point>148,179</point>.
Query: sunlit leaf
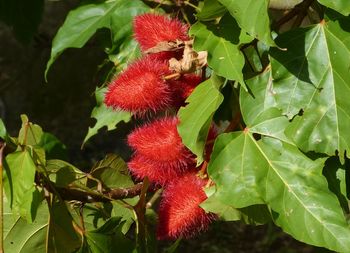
<point>196,116</point>
<point>315,78</point>
<point>252,16</point>
<point>222,43</point>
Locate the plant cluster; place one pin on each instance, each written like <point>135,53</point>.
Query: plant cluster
<point>159,153</point>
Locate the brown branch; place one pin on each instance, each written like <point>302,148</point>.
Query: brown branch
<point>69,194</point>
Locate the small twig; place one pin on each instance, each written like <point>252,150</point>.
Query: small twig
<point>123,193</point>
<point>2,147</point>
<point>154,198</point>
<point>191,5</point>
<point>172,76</point>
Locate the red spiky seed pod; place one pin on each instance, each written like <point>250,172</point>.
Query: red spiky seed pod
<point>160,142</point>
<point>182,88</point>
<point>142,167</point>
<point>179,212</point>
<point>151,29</point>
<point>140,87</point>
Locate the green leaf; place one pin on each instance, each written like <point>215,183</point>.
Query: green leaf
<point>61,236</point>
<point>108,238</point>
<point>283,4</point>
<point>225,212</point>
<point>121,20</point>
<point>316,79</point>
<point>82,23</point>
<point>196,117</point>
<point>248,172</point>
<point>336,174</point>
<point>259,111</point>
<point>222,43</point>
<point>23,16</point>
<point>25,197</point>
<point>3,131</point>
<point>21,237</point>
<point>127,215</point>
<point>29,134</point>
<point>252,16</point>
<point>212,9</point>
<point>113,172</point>
<point>105,116</point>
<point>128,51</point>
<point>342,6</point>
<point>53,147</point>
<point>63,173</point>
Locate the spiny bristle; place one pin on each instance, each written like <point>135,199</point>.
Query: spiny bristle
<point>160,142</point>
<point>140,87</point>
<point>157,173</point>
<point>151,29</point>
<point>179,213</point>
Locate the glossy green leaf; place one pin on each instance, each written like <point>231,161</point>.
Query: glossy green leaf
<point>222,43</point>
<point>210,10</point>
<point>105,116</point>
<point>342,6</point>
<point>21,173</point>
<point>82,23</point>
<point>252,16</point>
<point>196,116</point>
<point>113,172</point>
<point>248,172</point>
<point>316,78</point>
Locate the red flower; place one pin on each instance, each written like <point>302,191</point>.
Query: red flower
<point>183,87</point>
<point>142,167</point>
<point>140,87</point>
<point>160,142</point>
<point>150,29</point>
<point>179,213</point>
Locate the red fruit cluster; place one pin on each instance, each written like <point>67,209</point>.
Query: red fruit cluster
<point>179,212</point>
<point>159,153</point>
